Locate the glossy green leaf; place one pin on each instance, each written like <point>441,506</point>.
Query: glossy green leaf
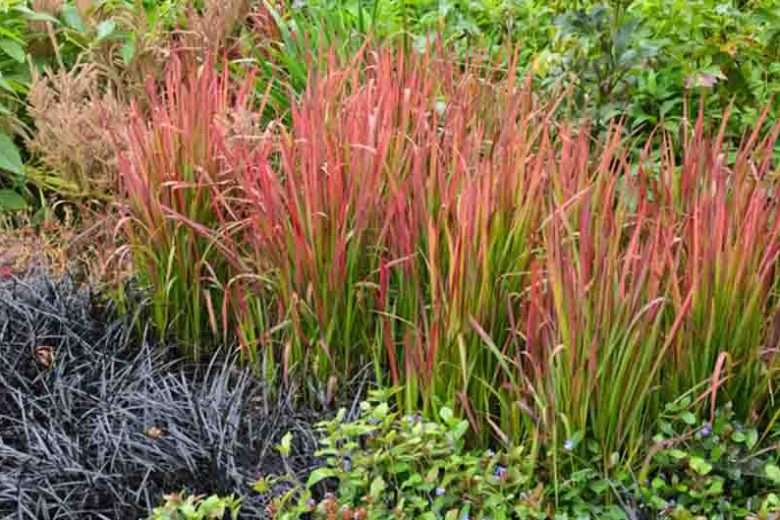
<point>319,475</point>
<point>10,160</point>
<point>105,29</point>
<point>11,201</point>
<point>13,49</point>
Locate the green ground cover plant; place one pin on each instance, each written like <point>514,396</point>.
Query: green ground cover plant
<point>384,464</point>
<point>183,507</point>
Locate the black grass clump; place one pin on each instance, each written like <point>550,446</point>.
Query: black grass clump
<point>98,422</point>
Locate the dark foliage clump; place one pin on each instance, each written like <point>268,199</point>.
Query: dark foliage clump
<point>97,422</point>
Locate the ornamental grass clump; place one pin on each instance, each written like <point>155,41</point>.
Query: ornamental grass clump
<point>433,218</point>
<point>176,176</point>
<point>314,200</point>
<point>725,203</point>
<point>656,280</point>
<point>79,162</point>
<point>459,241</point>
<point>594,323</point>
<point>395,214</point>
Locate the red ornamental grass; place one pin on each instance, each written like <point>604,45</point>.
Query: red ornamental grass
<point>395,213</point>
<point>176,177</point>
<point>726,205</point>
<point>446,229</point>
<point>658,282</point>
<point>471,204</point>
<point>597,330</point>
<point>317,201</point>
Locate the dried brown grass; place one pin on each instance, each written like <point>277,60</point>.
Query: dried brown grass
<point>79,243</point>
<point>74,119</point>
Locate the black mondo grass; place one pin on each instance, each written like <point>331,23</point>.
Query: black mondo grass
<point>97,422</point>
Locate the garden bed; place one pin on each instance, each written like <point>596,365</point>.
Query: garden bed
<point>542,236</point>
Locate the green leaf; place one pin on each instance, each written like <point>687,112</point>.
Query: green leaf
<point>188,510</point>
<point>699,465</point>
<point>10,160</point>
<point>398,467</point>
<point>459,429</point>
<point>446,414</point>
<point>34,16</point>
<point>715,488</point>
<point>320,474</point>
<point>212,507</point>
<point>127,51</point>
<point>261,485</point>
<point>752,438</point>
<point>415,479</point>
<point>599,486</point>
<point>381,411</point>
<point>677,454</point>
<point>284,446</point>
<point>772,472</point>
<point>6,86</point>
<point>668,105</point>
<point>105,29</point>
<point>377,487</point>
<point>11,201</point>
<point>72,18</point>
<point>688,418</point>
<point>13,49</point>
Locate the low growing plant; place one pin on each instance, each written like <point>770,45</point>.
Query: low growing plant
<point>180,506</point>
<point>384,465</point>
<point>388,465</point>
<point>714,468</point>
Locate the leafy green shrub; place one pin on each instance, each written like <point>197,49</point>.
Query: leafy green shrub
<point>624,60</point>
<point>14,72</point>
<point>188,507</point>
<point>386,465</point>
<point>726,51</point>
<point>716,468</point>
<point>599,52</point>
<point>14,83</point>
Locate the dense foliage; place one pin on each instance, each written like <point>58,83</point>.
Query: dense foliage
<point>385,465</point>
<point>412,225</point>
